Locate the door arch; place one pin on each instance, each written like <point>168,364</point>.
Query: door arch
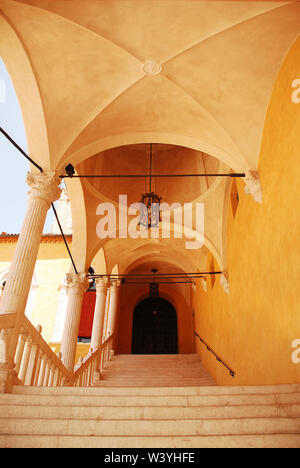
<point>154,329</point>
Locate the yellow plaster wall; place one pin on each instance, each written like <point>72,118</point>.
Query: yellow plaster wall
<point>253,328</point>
<point>51,267</point>
<point>50,275</point>
<point>81,350</point>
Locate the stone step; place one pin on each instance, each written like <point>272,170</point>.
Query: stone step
<point>160,370</point>
<point>154,364</point>
<point>121,427</point>
<point>157,379</point>
<point>141,384</point>
<point>163,371</point>
<point>186,442</point>
<point>149,357</point>
<point>143,367</point>
<point>81,399</point>
<point>155,370</point>
<point>147,383</point>
<point>186,391</point>
<point>134,417</point>
<point>36,411</point>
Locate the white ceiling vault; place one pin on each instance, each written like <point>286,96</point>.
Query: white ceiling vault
<point>93,75</point>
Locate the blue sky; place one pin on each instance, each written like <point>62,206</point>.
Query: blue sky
<point>14,167</point>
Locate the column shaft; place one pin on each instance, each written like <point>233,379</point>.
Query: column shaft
<point>98,323</point>
<point>76,286</point>
<point>113,307</point>
<point>43,190</point>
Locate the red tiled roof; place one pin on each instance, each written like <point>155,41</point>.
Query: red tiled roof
<point>46,238</point>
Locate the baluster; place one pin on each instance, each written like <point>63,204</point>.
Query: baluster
<point>31,364</point>
<point>25,359</point>
<point>19,352</point>
<point>59,378</point>
<point>42,370</point>
<point>51,374</point>
<point>38,367</point>
<point>3,345</point>
<point>88,375</point>
<point>101,360</point>
<point>47,372</point>
<point>56,378</point>
<point>96,367</point>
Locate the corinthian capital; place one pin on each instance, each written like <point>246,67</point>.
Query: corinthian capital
<point>114,285</point>
<point>44,185</point>
<point>77,284</point>
<point>101,285</point>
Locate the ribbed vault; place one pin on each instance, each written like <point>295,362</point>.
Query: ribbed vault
<point>94,76</point>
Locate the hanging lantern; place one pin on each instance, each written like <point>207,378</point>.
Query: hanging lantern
<point>154,291</point>
<point>154,287</point>
<point>150,215</point>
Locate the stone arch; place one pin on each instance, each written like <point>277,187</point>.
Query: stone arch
<point>24,81</point>
<point>237,164</point>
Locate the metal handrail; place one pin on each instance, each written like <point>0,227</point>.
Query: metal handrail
<point>232,373</point>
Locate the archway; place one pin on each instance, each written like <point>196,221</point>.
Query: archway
<point>154,329</point>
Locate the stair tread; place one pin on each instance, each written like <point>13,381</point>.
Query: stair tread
<point>186,442</point>
<point>152,401</point>
<point>181,417</point>
<point>156,370</point>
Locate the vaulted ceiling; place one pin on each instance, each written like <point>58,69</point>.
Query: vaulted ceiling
<point>93,76</point>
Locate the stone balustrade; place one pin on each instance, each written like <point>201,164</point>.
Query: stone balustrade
<point>35,364</point>
<point>88,369</point>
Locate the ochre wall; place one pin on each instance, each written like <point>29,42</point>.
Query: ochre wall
<point>51,268</point>
<point>253,328</point>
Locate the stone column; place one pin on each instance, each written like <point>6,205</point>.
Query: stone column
<point>97,332</point>
<point>44,189</point>
<point>77,284</point>
<point>113,306</point>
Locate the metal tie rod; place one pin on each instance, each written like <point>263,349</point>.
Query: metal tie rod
<point>144,176</point>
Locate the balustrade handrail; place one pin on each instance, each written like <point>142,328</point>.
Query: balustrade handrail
<point>35,363</point>
<point>92,354</point>
<point>93,362</point>
<point>232,373</point>
<point>44,347</point>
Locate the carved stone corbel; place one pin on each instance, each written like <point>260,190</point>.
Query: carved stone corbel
<point>225,282</point>
<point>204,284</point>
<point>253,186</point>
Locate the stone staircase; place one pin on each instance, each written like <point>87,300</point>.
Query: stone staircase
<point>151,417</point>
<point>168,370</point>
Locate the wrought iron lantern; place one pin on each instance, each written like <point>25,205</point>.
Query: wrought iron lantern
<point>154,287</point>
<point>150,215</point>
